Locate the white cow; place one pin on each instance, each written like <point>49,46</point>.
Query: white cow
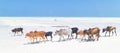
<point>63,32</point>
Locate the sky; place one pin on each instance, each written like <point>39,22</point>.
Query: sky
<point>59,8</point>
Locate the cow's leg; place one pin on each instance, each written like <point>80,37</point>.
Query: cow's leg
<point>46,38</point>
<point>105,33</point>
<point>76,35</point>
<point>68,36</point>
<point>14,33</point>
<point>21,33</point>
<point>109,33</point>
<point>115,33</point>
<point>60,38</point>
<point>82,37</point>
<point>37,39</point>
<point>51,37</point>
<point>32,40</point>
<point>17,33</point>
<point>92,37</point>
<point>71,36</point>
<point>112,33</point>
<point>89,37</point>
<point>63,38</point>
<point>97,36</point>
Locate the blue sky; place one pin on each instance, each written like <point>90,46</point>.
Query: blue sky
<point>60,8</point>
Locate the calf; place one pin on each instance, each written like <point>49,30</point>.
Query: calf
<point>49,34</point>
<point>74,30</point>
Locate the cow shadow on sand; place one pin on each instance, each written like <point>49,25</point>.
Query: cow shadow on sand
<point>85,40</point>
<point>32,43</point>
<point>63,40</point>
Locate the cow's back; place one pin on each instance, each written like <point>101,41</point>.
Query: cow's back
<point>65,31</point>
<point>74,29</point>
<point>39,33</point>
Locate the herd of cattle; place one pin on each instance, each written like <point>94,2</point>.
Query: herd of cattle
<point>91,33</point>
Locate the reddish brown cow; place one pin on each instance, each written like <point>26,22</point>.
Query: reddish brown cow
<point>40,35</point>
<point>31,36</point>
<point>83,33</point>
<point>94,31</point>
<point>91,32</point>
<point>36,35</point>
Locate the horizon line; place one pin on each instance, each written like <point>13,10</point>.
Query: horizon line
<point>59,17</point>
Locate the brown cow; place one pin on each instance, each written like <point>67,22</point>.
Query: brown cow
<point>36,35</point>
<point>110,29</point>
<point>40,35</point>
<point>83,33</point>
<point>94,31</point>
<point>31,35</point>
<point>91,32</point>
